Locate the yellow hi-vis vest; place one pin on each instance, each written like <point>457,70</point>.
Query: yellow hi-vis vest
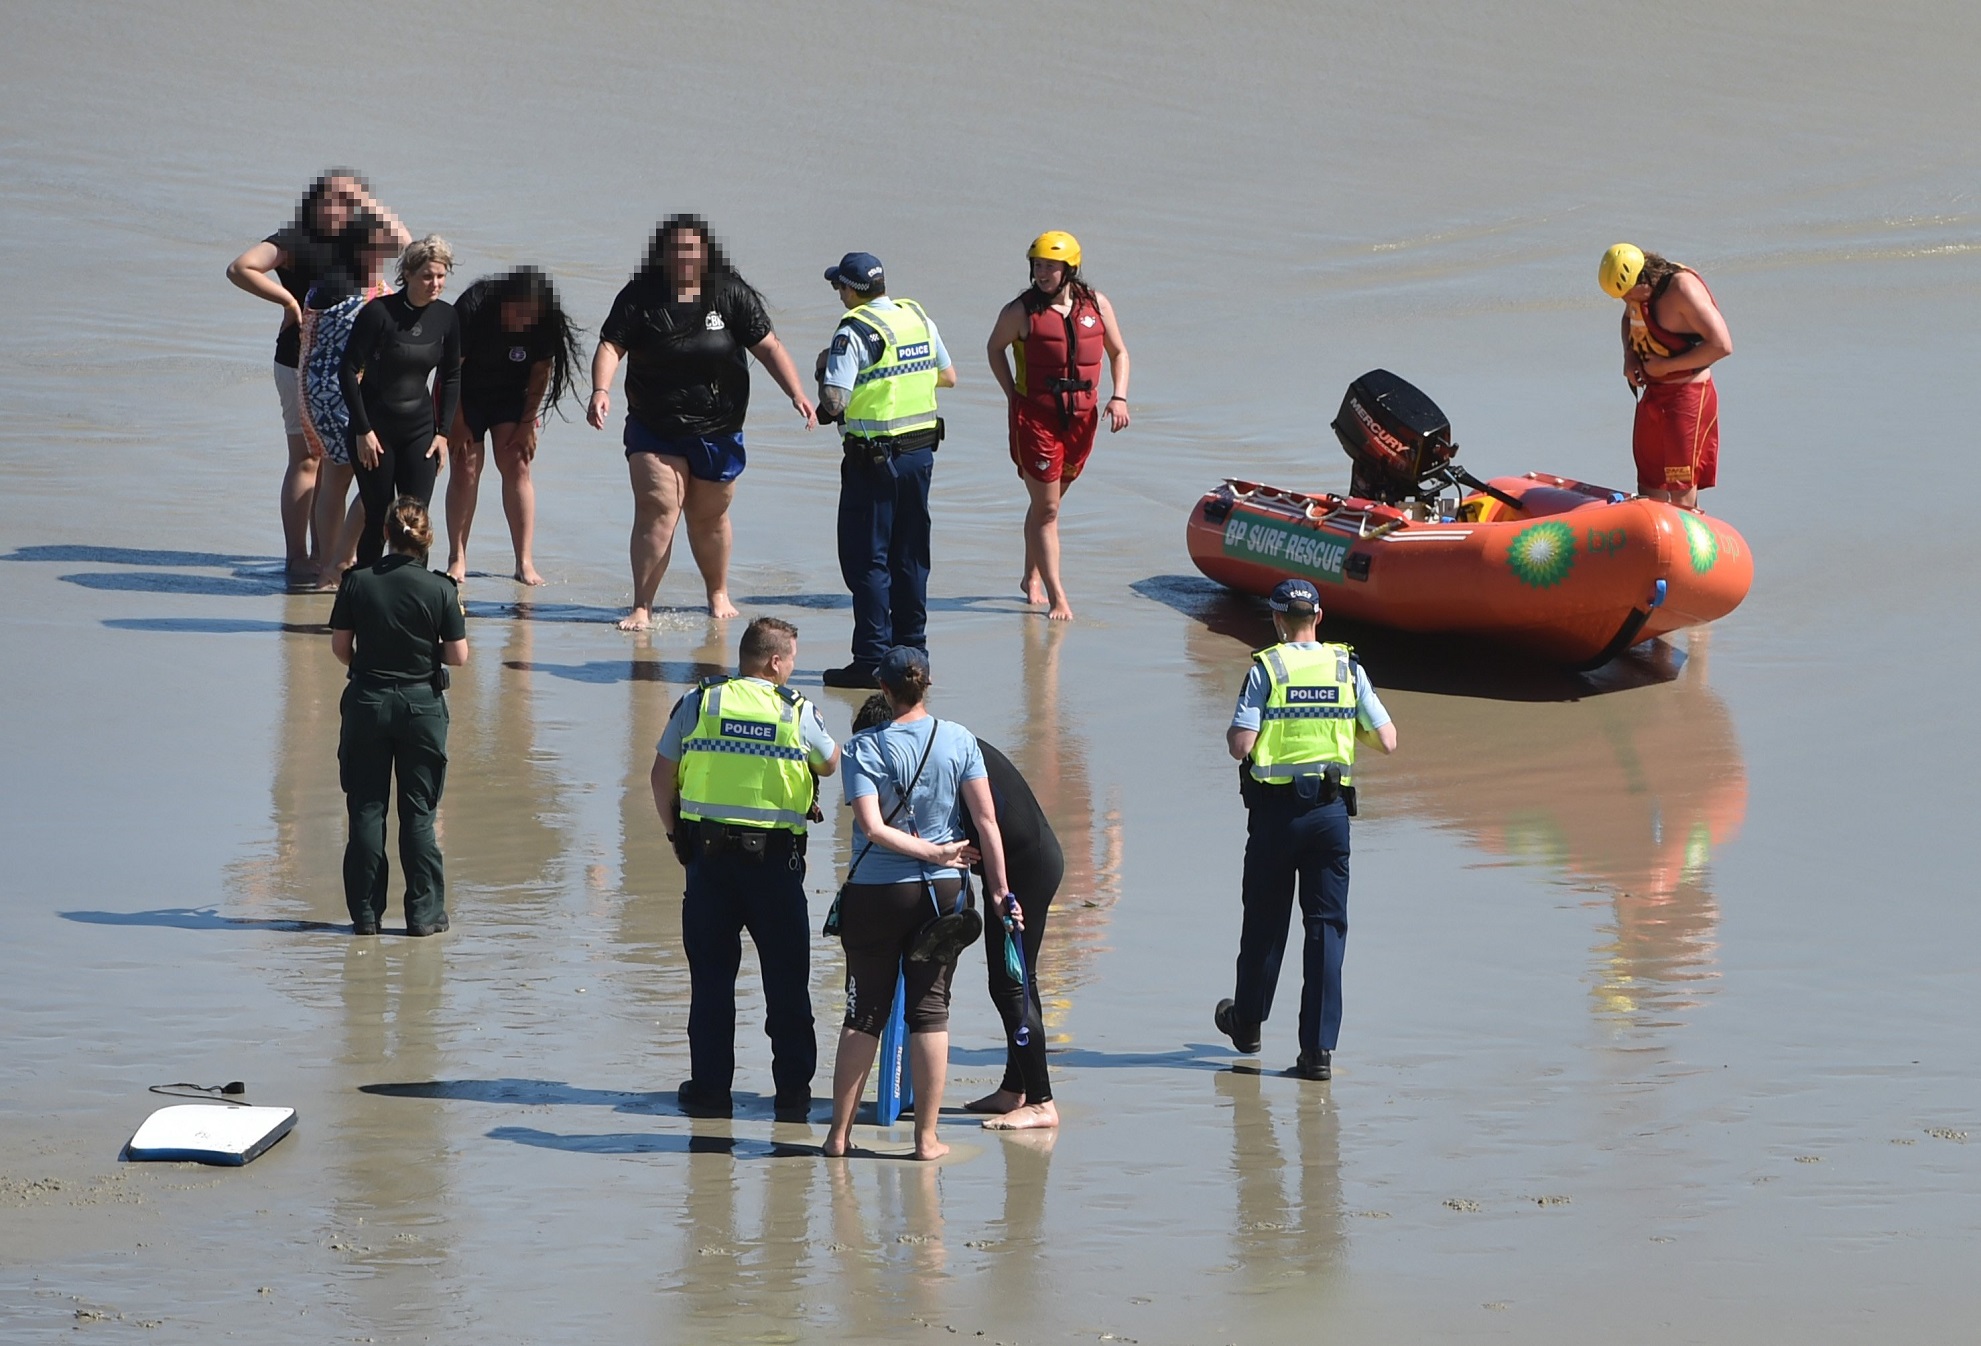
<point>744,762</point>
<point>1309,719</point>
<point>896,394</point>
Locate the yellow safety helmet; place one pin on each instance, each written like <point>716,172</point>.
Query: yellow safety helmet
<point>1056,245</point>
<point>1621,266</point>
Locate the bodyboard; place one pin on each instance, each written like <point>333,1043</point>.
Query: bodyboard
<point>895,1090</point>
<point>210,1133</point>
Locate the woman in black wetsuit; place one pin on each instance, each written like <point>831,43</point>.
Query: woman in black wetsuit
<point>397,344</point>
<point>685,319</point>
<point>518,348</point>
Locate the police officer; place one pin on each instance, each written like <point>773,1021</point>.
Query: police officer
<point>878,378</point>
<point>396,625</point>
<point>1303,706</point>
<point>735,780</point>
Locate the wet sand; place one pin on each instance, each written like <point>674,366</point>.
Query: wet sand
<point>1660,981</point>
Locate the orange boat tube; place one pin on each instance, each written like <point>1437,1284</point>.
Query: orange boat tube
<point>1572,572</point>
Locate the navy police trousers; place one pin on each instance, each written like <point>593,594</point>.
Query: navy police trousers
<point>884,551</point>
<point>1289,842</point>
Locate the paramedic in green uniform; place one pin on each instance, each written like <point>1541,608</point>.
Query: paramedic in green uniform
<point>396,624</point>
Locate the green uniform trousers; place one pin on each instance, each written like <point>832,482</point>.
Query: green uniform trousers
<point>402,729</point>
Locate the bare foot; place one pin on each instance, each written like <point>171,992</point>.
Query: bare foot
<point>1036,1117</point>
<point>527,574</point>
<point>1004,1100</point>
<point>458,570</point>
<point>1061,612</point>
<point>719,606</point>
<point>1032,589</point>
<point>639,619</point>
<point>836,1147</point>
<point>935,1149</point>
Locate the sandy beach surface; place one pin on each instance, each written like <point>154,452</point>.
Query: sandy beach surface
<point>1661,981</point>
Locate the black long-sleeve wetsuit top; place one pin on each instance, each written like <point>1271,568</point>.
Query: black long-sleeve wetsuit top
<point>397,348</point>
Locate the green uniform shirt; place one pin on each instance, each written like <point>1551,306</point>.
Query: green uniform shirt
<point>401,612</point>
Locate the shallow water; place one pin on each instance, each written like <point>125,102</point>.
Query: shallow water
<point>1660,983</point>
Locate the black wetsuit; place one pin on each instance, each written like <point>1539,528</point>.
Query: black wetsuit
<point>1033,866</point>
<point>397,348</point>
<point>495,363</point>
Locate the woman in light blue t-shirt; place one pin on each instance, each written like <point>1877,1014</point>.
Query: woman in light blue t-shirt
<point>908,783</point>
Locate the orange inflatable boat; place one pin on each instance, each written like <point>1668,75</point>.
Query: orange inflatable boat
<point>1572,572</point>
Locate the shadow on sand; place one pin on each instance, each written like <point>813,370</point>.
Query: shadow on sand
<point>653,1142</point>
<point>623,670</point>
<point>216,626</point>
<point>138,556</point>
<point>200,918</point>
<point>1397,660</point>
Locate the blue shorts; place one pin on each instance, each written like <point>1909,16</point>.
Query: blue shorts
<point>710,457</point>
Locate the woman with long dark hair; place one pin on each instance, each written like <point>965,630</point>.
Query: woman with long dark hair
<point>519,358</point>
<point>683,324</point>
<point>398,345</point>
<point>281,269</point>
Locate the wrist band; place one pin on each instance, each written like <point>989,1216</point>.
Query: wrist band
<point>1117,398</point>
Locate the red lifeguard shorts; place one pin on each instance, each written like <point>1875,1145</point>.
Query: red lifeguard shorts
<point>1045,447</point>
<point>1676,439</point>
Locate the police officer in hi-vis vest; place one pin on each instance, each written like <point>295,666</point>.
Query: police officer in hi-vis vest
<point>735,781</point>
<point>878,378</point>
<point>1303,706</point>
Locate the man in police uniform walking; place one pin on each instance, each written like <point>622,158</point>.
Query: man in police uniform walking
<point>1303,706</point>
<point>878,378</point>
<point>735,780</point>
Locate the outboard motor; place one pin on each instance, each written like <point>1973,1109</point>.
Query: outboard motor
<point>1399,440</point>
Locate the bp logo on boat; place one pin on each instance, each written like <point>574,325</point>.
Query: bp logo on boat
<point>1705,546</point>
<point>1541,556</point>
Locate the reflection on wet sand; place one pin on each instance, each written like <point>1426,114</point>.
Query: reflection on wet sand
<point>887,1221</point>
<point>508,841</point>
<point>742,1275</point>
<point>1627,796</point>
<point>1053,759</point>
<point>391,1204</point>
<point>1287,1230</point>
<point>300,875</point>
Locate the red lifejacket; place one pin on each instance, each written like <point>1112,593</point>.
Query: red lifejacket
<point>1059,357</point>
<point>1648,337</point>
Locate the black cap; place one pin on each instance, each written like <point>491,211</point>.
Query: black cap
<point>1295,596</point>
<point>859,271</point>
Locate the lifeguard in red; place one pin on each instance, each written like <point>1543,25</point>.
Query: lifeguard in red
<point>1057,334</point>
<point>1672,333</point>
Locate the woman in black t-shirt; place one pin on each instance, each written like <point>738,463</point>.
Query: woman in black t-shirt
<point>685,320</point>
<point>517,348</point>
<point>281,269</point>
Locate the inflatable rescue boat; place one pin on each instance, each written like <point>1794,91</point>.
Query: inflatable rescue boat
<point>1569,571</point>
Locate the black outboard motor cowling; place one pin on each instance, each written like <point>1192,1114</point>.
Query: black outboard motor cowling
<point>1394,433</point>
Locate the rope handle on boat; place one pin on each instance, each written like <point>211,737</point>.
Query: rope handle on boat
<point>230,1093</point>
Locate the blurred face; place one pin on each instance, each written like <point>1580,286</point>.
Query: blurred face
<point>520,315</point>
<point>1048,275</point>
<point>335,207</point>
<point>1639,293</point>
<point>424,285</point>
<point>687,257</point>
